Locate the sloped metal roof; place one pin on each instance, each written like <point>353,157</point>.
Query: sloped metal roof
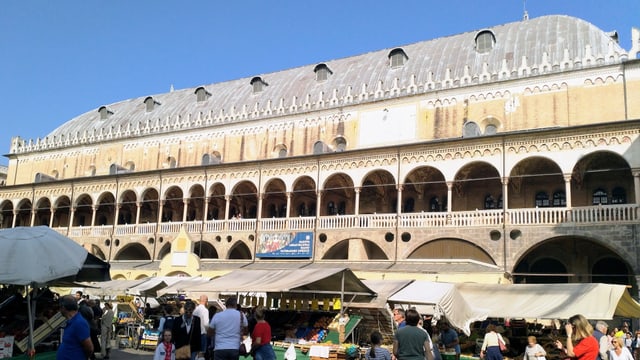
<point>543,41</point>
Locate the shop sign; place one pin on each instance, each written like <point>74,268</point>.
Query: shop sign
<point>285,245</point>
<point>6,347</point>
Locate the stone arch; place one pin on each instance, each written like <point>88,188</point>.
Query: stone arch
<point>600,169</point>
<point>164,251</point>
<point>378,193</point>
<point>338,195</point>
<point>583,258</point>
<point>472,176</point>
<point>62,213</point>
<point>244,200</point>
<point>149,206</point>
<point>6,212</point>
<point>425,188</point>
<point>239,251</point>
<point>303,199</point>
<point>83,210</point>
<point>132,251</point>
<point>195,205</point>
<point>23,215</point>
<point>128,207</point>
<point>355,249</point>
<point>451,248</point>
<point>105,209</point>
<point>274,201</point>
<point>43,212</point>
<point>217,202</point>
<point>173,207</point>
<point>205,250</point>
<point>531,176</point>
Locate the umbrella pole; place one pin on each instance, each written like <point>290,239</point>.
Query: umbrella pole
<point>31,346</point>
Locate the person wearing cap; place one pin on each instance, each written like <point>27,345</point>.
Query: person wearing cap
<point>599,333</point>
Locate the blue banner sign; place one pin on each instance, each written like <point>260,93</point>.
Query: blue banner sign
<point>285,245</point>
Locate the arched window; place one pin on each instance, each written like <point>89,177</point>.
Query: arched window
<point>618,195</point>
<point>216,158</point>
<point>500,202</point>
<point>542,199</point>
<point>600,197</point>
<point>258,84</point>
<point>490,129</point>
<point>322,72</point>
<point>397,58</point>
<point>206,159</point>
<point>318,147</point>
<point>342,208</point>
<point>485,41</point>
<point>559,198</point>
<point>171,162</point>
<point>339,144</point>
<point>470,129</point>
<point>202,94</point>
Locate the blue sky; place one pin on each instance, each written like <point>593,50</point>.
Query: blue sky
<point>60,59</point>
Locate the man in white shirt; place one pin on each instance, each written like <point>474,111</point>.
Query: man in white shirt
<point>228,326</point>
<point>202,312</point>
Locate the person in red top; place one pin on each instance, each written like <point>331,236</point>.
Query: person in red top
<point>581,344</point>
<point>261,338</point>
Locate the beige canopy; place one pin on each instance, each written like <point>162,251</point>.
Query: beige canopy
<point>551,301</point>
<point>302,282</point>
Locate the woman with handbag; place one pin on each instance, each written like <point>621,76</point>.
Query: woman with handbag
<point>492,344</point>
<point>186,333</point>
<point>261,338</point>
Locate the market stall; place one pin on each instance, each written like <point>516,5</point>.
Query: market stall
<point>303,303</point>
<point>441,299</point>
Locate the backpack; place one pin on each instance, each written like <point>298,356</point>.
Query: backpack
<point>168,322</point>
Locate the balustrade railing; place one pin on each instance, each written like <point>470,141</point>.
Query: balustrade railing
<point>537,216</point>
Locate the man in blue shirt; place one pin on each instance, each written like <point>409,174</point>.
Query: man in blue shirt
<point>228,326</point>
<point>76,339</point>
<point>449,338</point>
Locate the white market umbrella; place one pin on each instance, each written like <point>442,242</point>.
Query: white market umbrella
<point>32,256</point>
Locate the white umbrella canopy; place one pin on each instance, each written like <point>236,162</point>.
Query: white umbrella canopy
<point>32,256</point>
<point>38,255</point>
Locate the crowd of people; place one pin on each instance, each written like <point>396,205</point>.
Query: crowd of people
<point>194,330</point>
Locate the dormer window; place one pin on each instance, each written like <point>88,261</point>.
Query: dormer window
<point>202,94</point>
<point>397,58</point>
<point>258,84</point>
<point>150,104</point>
<point>322,72</point>
<point>104,113</point>
<point>485,41</point>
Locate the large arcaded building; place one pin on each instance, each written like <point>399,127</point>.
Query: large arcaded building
<point>510,153</point>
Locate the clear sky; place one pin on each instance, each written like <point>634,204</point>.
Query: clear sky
<point>60,59</point>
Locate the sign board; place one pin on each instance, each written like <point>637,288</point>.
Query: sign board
<point>6,347</point>
<point>285,245</point>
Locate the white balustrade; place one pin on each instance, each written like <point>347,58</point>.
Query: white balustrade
<point>125,229</point>
<point>146,229</point>
<point>273,224</point>
<point>212,226</point>
<point>302,223</point>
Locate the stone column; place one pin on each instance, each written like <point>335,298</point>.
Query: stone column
<point>357,204</point>
<point>399,201</point>
<point>117,214</point>
<point>636,185</point>
<point>567,189</point>
<point>72,213</point>
<point>185,208</point>
<point>319,203</point>
<point>449,192</point>
<point>53,212</point>
<point>15,216</point>
<point>205,213</point>
<point>34,210</point>
<point>505,193</point>
<point>259,211</point>
<point>288,204</point>
<point>227,205</point>
<point>160,209</point>
<point>138,206</point>
<point>94,210</point>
